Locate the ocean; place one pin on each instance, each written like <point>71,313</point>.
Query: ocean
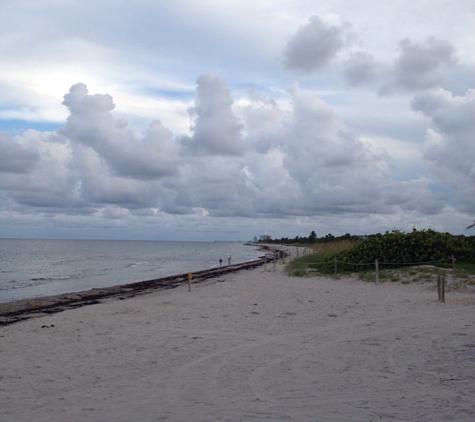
<point>31,268</point>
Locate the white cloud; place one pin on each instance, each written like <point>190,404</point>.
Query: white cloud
<point>91,124</point>
<point>449,148</point>
<point>216,130</point>
<point>238,150</point>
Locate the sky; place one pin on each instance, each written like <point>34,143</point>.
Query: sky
<point>229,119</point>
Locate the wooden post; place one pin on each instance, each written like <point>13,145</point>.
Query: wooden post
<point>274,263</point>
<point>439,287</point>
<point>190,276</point>
<point>336,268</point>
<point>376,267</point>
<point>297,252</point>
<point>265,262</point>
<point>443,289</point>
<point>453,262</point>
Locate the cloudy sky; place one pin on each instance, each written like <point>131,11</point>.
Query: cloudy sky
<point>222,120</point>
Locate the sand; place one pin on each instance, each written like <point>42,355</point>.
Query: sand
<point>249,346</point>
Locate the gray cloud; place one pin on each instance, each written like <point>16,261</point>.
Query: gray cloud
<point>313,46</point>
<point>15,157</point>
<point>216,130</point>
<point>361,69</point>
<point>418,65</point>
<point>336,172</point>
<point>449,147</point>
<point>49,183</point>
<point>98,186</point>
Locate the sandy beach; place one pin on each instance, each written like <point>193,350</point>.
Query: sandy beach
<point>252,345</point>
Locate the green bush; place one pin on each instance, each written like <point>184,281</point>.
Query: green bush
<point>397,248</point>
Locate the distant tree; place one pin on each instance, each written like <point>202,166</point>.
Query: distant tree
<point>313,237</point>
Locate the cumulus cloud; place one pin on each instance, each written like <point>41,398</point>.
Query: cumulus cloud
<point>216,185</point>
<point>449,146</point>
<point>97,186</point>
<point>49,183</point>
<point>336,172</point>
<point>16,158</point>
<point>418,66</point>
<point>128,154</point>
<point>264,121</point>
<point>216,130</point>
<point>274,161</point>
<point>313,46</point>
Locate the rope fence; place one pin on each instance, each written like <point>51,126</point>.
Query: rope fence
<point>377,265</point>
<point>313,267</point>
<point>283,255</point>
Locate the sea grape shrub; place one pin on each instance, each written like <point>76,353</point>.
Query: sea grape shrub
<point>398,248</point>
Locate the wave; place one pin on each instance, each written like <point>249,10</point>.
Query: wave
<point>136,264</point>
<point>35,281</point>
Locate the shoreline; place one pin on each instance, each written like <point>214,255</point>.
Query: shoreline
<point>20,310</point>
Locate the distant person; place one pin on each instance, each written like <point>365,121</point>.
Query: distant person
<point>229,260</point>
<point>220,262</point>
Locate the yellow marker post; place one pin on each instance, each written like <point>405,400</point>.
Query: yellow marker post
<point>190,276</point>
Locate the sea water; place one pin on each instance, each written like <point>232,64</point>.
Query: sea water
<point>36,268</point>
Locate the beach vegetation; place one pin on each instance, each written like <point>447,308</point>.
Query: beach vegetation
<point>418,254</point>
<point>312,239</point>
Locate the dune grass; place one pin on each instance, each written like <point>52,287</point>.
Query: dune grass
<point>303,265</point>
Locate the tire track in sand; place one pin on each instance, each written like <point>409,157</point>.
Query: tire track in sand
<point>243,378</point>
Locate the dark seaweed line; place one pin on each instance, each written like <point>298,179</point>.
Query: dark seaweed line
<point>34,307</point>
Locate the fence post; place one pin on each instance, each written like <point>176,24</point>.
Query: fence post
<point>376,267</point>
<point>265,262</point>
<point>443,289</point>
<point>336,268</point>
<point>439,286</point>
<point>274,262</point>
<point>297,252</point>
<point>453,262</point>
